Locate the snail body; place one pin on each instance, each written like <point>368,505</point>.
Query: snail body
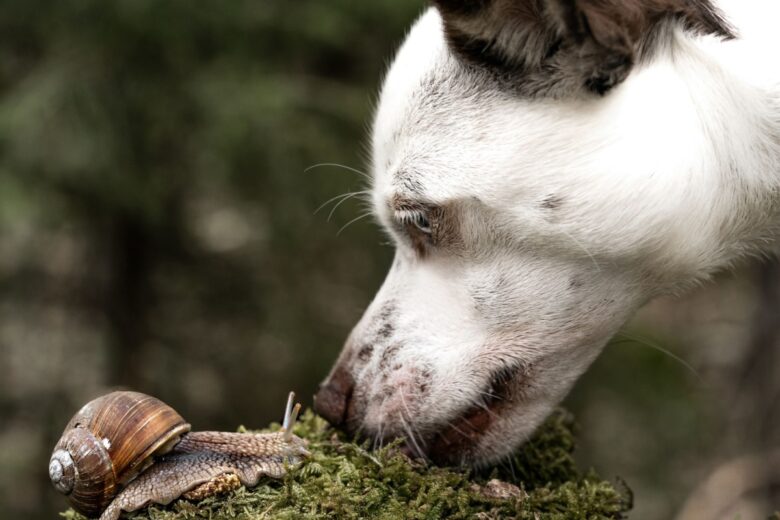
<point>209,463</point>
<point>126,450</point>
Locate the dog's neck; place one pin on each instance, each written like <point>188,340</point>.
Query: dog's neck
<point>735,96</point>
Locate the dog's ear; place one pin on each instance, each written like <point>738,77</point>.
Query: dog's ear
<point>555,46</point>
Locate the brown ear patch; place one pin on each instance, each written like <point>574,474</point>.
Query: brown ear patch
<point>622,24</point>
<point>557,47</point>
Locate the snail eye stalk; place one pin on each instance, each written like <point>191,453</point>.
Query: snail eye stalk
<point>290,416</point>
<point>288,434</point>
<point>288,411</point>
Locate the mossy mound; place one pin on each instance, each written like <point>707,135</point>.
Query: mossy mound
<point>343,480</point>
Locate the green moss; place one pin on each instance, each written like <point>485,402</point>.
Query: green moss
<point>343,480</point>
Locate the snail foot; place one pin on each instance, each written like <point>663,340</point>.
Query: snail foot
<point>218,485</point>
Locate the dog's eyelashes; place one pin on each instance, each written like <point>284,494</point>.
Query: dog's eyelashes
<point>421,222</point>
<point>417,219</point>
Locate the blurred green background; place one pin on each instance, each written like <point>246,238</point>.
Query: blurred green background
<point>158,232</point>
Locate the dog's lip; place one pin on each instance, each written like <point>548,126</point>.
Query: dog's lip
<point>453,444</point>
<point>460,437</point>
<point>456,442</point>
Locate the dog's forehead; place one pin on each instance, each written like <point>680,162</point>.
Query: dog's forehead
<point>440,122</point>
<point>433,117</point>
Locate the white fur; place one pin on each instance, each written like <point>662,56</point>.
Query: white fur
<point>672,176</point>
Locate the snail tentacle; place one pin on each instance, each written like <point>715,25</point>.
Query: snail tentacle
<point>288,419</point>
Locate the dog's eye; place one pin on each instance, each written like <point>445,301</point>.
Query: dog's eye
<point>417,219</point>
<point>420,221</point>
<point>416,225</point>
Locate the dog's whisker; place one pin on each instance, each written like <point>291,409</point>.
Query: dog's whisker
<point>343,200</point>
<point>490,395</point>
<point>409,430</point>
<point>382,435</point>
<point>361,428</point>
<point>359,217</point>
<point>507,462</point>
<point>451,424</point>
<point>418,451</point>
<point>630,338</point>
<point>337,165</point>
<point>487,397</point>
<point>585,249</point>
<point>380,432</point>
<point>342,196</point>
<point>490,412</point>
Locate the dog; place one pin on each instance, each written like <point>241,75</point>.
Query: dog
<point>545,168</point>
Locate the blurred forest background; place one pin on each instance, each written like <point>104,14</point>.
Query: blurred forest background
<point>158,232</point>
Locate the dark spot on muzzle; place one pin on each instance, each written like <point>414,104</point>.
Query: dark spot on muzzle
<point>333,397</point>
<point>364,354</point>
<point>461,435</point>
<point>388,355</point>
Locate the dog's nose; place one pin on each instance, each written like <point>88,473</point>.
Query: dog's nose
<point>332,398</point>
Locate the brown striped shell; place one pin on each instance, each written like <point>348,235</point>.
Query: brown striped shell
<point>107,443</point>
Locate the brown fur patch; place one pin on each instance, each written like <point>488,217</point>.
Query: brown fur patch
<point>621,24</point>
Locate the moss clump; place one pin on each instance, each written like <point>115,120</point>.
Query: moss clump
<point>343,480</point>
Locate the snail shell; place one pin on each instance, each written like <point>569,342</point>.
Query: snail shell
<point>107,443</point>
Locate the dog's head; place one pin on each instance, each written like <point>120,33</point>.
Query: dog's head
<point>532,215</point>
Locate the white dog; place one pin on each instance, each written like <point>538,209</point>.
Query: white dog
<point>545,167</point>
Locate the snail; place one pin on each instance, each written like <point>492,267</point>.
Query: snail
<point>126,450</point>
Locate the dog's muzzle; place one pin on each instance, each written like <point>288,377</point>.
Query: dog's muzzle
<point>334,395</point>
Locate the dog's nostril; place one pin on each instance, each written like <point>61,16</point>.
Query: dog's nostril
<point>333,396</point>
